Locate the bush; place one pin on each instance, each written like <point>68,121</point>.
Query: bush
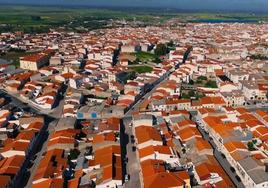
<point>211,84</point>
<point>202,78</point>
<point>191,82</point>
<point>74,153</point>
<point>157,60</point>
<point>250,146</point>
<point>191,93</point>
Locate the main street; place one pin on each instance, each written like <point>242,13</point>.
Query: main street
<point>133,165</point>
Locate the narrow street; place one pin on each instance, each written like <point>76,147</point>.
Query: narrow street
<point>39,154</point>
<point>133,165</point>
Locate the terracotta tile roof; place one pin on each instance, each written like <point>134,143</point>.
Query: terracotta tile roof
<point>104,137</point>
<point>234,145</point>
<point>163,180</point>
<point>149,150</point>
<point>189,132</point>
<point>52,163</point>
<point>26,135</point>
<point>242,110</point>
<point>146,133</point>
<point>11,165</point>
<point>261,113</point>
<point>16,145</point>
<point>202,144</point>
<point>109,158</point>
<point>49,183</point>
<point>73,183</point>
<point>4,180</point>
<point>151,167</point>
<point>34,57</point>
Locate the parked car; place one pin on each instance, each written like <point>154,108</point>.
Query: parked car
<point>238,178</point>
<point>232,169</point>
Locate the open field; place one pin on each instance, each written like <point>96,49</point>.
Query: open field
<point>142,69</point>
<point>145,56</point>
<point>40,19</point>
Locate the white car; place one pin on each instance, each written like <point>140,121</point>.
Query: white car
<point>126,178</point>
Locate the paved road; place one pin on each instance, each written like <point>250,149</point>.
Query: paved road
<point>16,99</point>
<point>222,161</point>
<point>133,165</point>
<point>36,162</point>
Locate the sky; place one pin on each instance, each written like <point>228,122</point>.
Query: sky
<point>231,5</point>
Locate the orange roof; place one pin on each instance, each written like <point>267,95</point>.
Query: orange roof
<point>219,72</point>
<point>11,165</point>
<point>247,117</point>
<point>61,140</point>
<point>242,110</point>
<point>107,173</point>
<point>47,167</point>
<point>152,166</point>
<point>163,180</point>
<point>206,110</point>
<point>188,133</point>
<point>218,100</point>
<point>254,123</point>
<point>34,57</point>
<point>109,158</point>
<point>262,130</point>
<point>26,135</point>
<point>73,183</point>
<point>261,113</point>
<point>104,137</point>
<point>149,150</point>
<point>16,145</point>
<point>145,133</point>
<point>202,144</point>
<point>234,145</point>
<point>186,122</point>
<point>4,180</point>
<point>203,170</point>
<point>49,183</point>
<point>113,121</point>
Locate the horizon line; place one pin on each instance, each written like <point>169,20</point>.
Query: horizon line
<point>140,8</point>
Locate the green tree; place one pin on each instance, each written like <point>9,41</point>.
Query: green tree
<point>202,78</point>
<point>191,93</point>
<point>161,49</point>
<point>211,84</point>
<point>171,45</point>
<point>250,146</point>
<point>157,60</point>
<point>74,153</point>
<point>191,82</point>
<point>185,96</point>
